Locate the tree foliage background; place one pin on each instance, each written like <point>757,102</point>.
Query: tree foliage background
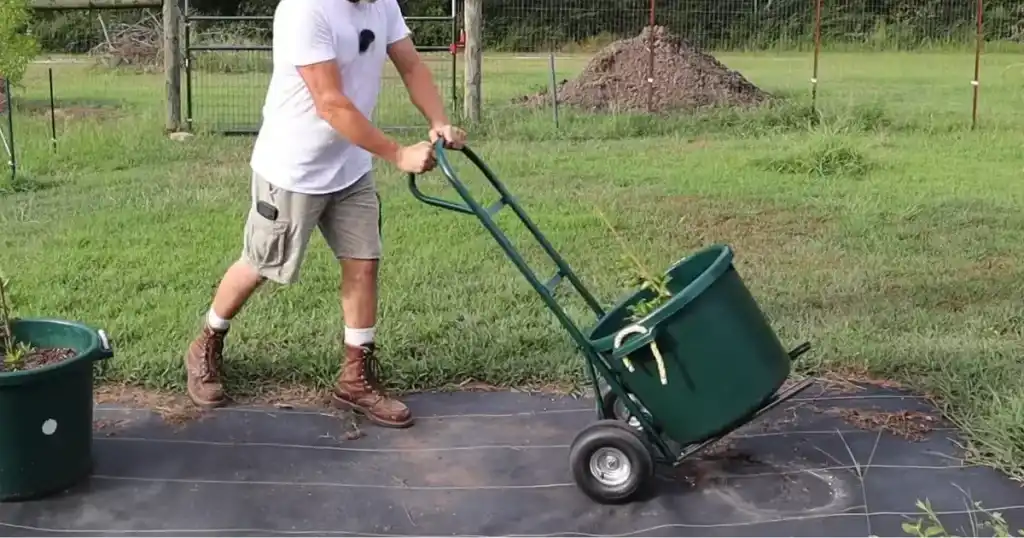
<point>17,46</point>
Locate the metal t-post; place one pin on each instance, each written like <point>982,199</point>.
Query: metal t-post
<point>8,141</point>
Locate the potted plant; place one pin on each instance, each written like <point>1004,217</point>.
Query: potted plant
<point>46,402</point>
<point>697,324</point>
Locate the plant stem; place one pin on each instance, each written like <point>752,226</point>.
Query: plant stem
<point>625,248</point>
<point>5,319</point>
<point>648,281</point>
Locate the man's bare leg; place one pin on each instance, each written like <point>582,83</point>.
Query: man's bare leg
<point>357,386</point>
<point>239,283</point>
<point>359,298</point>
<point>202,362</point>
<point>351,226</point>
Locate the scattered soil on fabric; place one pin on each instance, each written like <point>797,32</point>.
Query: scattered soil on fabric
<point>910,425</point>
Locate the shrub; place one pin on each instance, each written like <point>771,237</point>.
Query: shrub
<point>18,46</point>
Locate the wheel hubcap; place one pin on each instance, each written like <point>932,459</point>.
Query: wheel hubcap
<point>610,467</point>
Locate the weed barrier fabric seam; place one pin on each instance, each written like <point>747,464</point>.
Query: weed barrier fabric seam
<point>569,409</point>
<point>154,478</point>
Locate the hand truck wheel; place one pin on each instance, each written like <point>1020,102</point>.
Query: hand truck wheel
<point>610,463</point>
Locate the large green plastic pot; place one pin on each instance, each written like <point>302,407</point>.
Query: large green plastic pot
<point>722,359</point>
<point>46,413</point>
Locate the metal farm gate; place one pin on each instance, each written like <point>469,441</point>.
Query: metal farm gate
<point>228,64</point>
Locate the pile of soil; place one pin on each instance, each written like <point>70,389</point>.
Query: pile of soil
<point>36,358</point>
<point>685,78</point>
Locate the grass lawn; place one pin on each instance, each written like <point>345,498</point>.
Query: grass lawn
<point>891,235</point>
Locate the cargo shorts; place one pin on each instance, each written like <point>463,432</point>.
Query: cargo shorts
<point>277,231</point>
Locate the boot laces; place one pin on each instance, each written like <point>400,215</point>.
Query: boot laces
<point>212,350</point>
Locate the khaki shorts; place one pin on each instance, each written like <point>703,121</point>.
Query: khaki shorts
<point>349,220</point>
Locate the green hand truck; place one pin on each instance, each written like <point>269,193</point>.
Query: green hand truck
<point>696,368</point>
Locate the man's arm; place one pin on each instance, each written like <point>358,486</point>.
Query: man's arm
<point>304,39</point>
<point>324,83</point>
<point>419,81</point>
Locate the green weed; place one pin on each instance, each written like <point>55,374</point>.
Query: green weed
<point>21,183</point>
<point>827,155</point>
<point>930,526</point>
<point>641,278</point>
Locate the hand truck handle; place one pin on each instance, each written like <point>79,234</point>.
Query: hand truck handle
<point>486,217</point>
<point>453,179</point>
<point>450,174</point>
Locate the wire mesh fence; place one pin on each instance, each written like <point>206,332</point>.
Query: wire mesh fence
<point>229,66</point>
<point>906,54</point>
<point>911,56</point>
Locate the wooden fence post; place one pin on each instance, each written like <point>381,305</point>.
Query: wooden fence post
<point>172,63</point>
<point>474,22</point>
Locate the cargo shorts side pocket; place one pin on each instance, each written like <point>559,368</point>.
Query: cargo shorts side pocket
<point>266,241</point>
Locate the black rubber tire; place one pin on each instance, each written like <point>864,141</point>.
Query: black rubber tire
<point>610,398</point>
<point>616,435</point>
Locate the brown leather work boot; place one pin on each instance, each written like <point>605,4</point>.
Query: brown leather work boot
<point>357,389</point>
<point>203,365</point>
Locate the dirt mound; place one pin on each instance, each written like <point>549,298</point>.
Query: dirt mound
<point>685,78</point>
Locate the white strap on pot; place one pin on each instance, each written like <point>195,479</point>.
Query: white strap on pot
<point>641,330</point>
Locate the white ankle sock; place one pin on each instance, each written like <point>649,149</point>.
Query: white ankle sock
<point>359,337</point>
<point>216,322</point>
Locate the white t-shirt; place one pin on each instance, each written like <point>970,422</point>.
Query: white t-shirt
<point>295,149</point>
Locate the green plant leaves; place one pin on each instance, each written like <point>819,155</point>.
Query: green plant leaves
<point>18,46</point>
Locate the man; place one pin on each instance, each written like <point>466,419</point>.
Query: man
<point>311,168</point>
